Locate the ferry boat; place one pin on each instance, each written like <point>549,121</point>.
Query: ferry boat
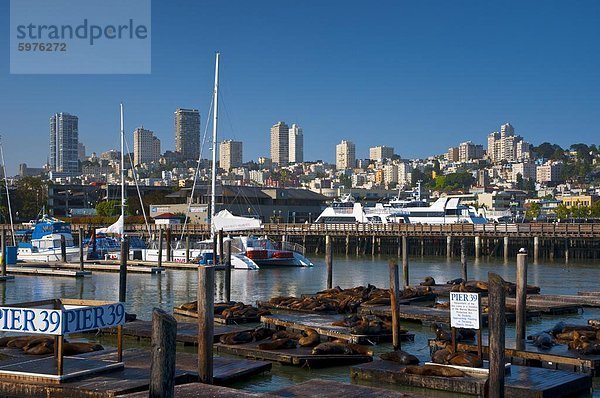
<point>446,210</point>
<point>42,242</point>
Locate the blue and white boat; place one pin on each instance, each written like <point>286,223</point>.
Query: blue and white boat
<point>42,242</point>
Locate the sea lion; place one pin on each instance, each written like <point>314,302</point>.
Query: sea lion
<point>440,333</point>
<point>191,306</point>
<point>442,306</point>
<point>543,340</point>
<point>360,349</point>
<point>286,334</point>
<point>428,281</point>
<point>465,334</point>
<point>455,281</point>
<point>5,340</point>
<point>311,339</point>
<point>20,342</point>
<point>332,348</point>
<point>402,357</point>
<point>441,356</point>
<point>236,338</point>
<point>80,348</point>
<point>278,344</point>
<point>262,333</point>
<point>464,359</point>
<point>40,340</point>
<point>44,348</point>
<point>433,370</point>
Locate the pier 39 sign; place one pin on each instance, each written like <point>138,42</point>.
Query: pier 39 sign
<point>464,310</point>
<point>73,319</point>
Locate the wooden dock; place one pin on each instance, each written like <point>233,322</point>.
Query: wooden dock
<point>558,357</point>
<point>323,325</point>
<point>218,318</point>
<point>544,306</point>
<point>187,333</point>
<point>197,390</point>
<point>299,356</point>
<point>521,382</point>
<point>46,271</point>
<point>134,269</point>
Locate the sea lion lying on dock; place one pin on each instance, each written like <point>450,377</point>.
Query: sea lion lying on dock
<point>45,347</point>
<point>230,309</point>
<point>20,342</point>
<point>464,359</point>
<point>278,344</point>
<point>401,357</point>
<point>542,340</point>
<point>80,348</point>
<point>234,338</point>
<point>311,338</point>
<point>286,334</point>
<point>433,370</point>
<point>455,281</point>
<point>261,333</point>
<point>332,348</point>
<point>428,281</point>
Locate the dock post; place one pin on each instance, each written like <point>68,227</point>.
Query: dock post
<point>187,247</point>
<point>329,261</point>
<point>160,245</point>
<point>497,324</point>
<point>463,258</point>
<point>521,302</point>
<point>63,249</point>
<point>405,260</point>
<point>373,245</point>
<point>422,247</point>
<point>506,248</point>
<point>566,251</point>
<point>347,244</point>
<point>3,244</point>
<point>81,248</point>
<point>394,298</point>
<point>162,365</point>
<point>551,250</point>
<point>123,270</point>
<point>206,303</point>
<point>221,252</point>
<point>228,271</point>
<point>448,246</point>
<point>168,238</point>
<point>536,249</point>
<point>477,247</point>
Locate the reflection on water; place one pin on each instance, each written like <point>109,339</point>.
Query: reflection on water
<point>146,291</point>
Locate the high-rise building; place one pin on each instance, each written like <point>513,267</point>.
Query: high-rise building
<point>404,173</point>
<point>390,174</point>
<point>146,147</point>
<point>187,133</point>
<point>452,155</point>
<point>81,151</point>
<point>64,140</point>
<point>230,153</point>
<point>381,152</point>
<point>280,144</point>
<point>468,151</point>
<point>345,155</point>
<point>506,146</point>
<point>296,143</point>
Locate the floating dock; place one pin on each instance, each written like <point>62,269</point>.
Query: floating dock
<point>544,306</point>
<point>520,382</point>
<point>299,356</point>
<point>218,318</point>
<point>323,325</point>
<point>46,271</point>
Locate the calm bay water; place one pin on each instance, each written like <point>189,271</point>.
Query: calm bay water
<point>175,287</point>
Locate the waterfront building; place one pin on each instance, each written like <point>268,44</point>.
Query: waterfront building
<point>230,154</point>
<point>64,143</point>
<point>187,133</point>
<point>345,155</point>
<point>380,153</point>
<point>296,144</point>
<point>146,147</point>
<point>578,200</point>
<point>280,140</point>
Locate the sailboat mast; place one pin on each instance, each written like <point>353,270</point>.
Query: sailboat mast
<point>214,144</point>
<point>122,175</point>
<point>12,225</point>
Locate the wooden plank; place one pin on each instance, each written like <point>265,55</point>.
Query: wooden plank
<point>520,382</point>
<point>333,389</point>
<point>47,272</point>
<point>323,325</point>
<point>200,390</point>
<point>299,356</point>
<point>543,306</point>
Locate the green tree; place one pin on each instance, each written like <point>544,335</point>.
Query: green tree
<point>108,209</point>
<point>30,195</point>
<point>533,211</point>
<point>580,211</point>
<point>562,212</point>
<point>595,209</point>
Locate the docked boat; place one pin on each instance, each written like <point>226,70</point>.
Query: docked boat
<point>445,210</point>
<point>42,242</point>
<point>265,252</point>
<point>348,211</point>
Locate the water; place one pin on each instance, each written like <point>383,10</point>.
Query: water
<point>176,287</point>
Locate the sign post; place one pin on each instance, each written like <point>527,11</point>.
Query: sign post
<point>465,313</point>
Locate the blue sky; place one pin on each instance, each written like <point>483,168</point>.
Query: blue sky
<point>416,75</point>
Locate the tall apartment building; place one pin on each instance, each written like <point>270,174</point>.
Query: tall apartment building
<point>296,144</point>
<point>526,169</point>
<point>452,155</point>
<point>81,151</point>
<point>468,151</point>
<point>280,143</point>
<point>506,146</point>
<point>404,173</point>
<point>230,154</point>
<point>381,152</point>
<point>390,174</point>
<point>146,147</point>
<point>64,143</point>
<point>345,155</point>
<point>549,172</point>
<point>187,133</point>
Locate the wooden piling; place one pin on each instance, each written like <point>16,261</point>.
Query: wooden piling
<point>81,249</point>
<point>227,257</point>
<point>394,298</point>
<point>506,248</point>
<point>463,258</point>
<point>221,250</point>
<point>347,244</point>
<point>477,247</point>
<point>187,247</point>
<point>160,246</point>
<point>3,244</point>
<point>521,300</point>
<point>123,270</point>
<point>405,260</point>
<point>373,245</point>
<point>168,238</point>
<point>566,251</point>
<point>536,248</point>
<point>496,326</point>
<point>215,245</point>
<point>206,302</point>
<point>329,261</point>
<point>162,366</point>
<point>449,246</point>
<point>63,249</point>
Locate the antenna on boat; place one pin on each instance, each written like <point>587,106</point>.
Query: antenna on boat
<point>12,227</point>
<point>214,146</point>
<point>122,176</point>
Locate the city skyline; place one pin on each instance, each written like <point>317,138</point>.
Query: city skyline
<point>394,74</point>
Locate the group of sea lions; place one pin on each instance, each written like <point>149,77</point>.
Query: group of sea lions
<point>366,324</point>
<point>44,345</point>
<point>411,363</point>
<point>344,301</point>
<point>231,309</point>
<point>460,285</point>
<point>583,338</point>
<point>444,335</point>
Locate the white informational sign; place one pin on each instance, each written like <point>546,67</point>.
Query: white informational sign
<point>61,322</point>
<point>464,310</point>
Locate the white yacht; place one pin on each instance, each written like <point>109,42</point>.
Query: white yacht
<point>42,243</point>
<point>445,210</point>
